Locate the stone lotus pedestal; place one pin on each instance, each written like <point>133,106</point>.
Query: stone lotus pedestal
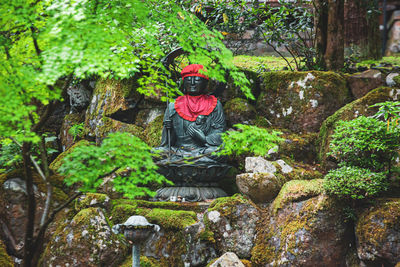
<point>192,182</point>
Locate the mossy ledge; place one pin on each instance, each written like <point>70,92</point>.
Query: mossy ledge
<point>297,190</point>
<point>351,111</point>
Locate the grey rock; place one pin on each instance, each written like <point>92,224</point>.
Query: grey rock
<point>17,185</point>
<point>199,252</point>
<point>229,259</point>
<point>284,166</point>
<point>79,97</point>
<point>258,164</point>
<point>235,231</point>
<point>389,79</point>
<point>259,187</point>
<point>378,233</point>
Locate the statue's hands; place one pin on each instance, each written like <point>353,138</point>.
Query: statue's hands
<point>168,124</point>
<point>196,134</point>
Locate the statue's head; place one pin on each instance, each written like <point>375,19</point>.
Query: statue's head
<point>194,82</point>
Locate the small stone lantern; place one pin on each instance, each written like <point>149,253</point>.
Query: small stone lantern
<point>136,229</point>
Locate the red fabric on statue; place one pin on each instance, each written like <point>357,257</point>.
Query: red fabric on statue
<point>189,107</point>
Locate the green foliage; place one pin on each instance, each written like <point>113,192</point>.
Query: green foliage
<point>365,142</point>
<point>389,111</point>
<point>10,155</point>
<point>87,165</point>
<point>43,42</point>
<point>76,130</point>
<point>355,183</point>
<point>291,26</point>
<point>249,140</point>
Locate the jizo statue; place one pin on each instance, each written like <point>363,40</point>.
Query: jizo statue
<point>191,134</point>
<point>195,121</point>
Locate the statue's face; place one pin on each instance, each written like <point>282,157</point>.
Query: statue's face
<point>194,85</point>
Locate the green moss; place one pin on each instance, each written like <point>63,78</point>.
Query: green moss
<point>90,199</point>
<point>153,131</point>
<point>144,262</point>
<point>109,125</point>
<point>396,79</point>
<point>285,98</point>
<point>207,235</point>
<point>391,60</point>
<point>166,218</point>
<point>111,94</point>
<point>238,105</point>
<point>120,213</point>
<point>301,147</point>
<point>192,206</point>
<point>5,259</point>
<point>58,161</point>
<point>169,219</point>
<point>374,223</point>
<point>258,63</point>
<point>297,190</point>
<point>227,205</point>
<point>348,112</point>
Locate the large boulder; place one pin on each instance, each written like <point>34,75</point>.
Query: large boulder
<point>239,110</point>
<point>85,240</point>
<point>232,220</point>
<point>378,234</point>
<point>301,101</point>
<point>302,230</point>
<point>13,207</point>
<point>114,107</point>
<point>362,83</point>
<point>259,187</point>
<point>351,111</point>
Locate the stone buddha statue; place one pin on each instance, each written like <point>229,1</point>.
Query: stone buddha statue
<point>195,121</point>
<point>191,133</point>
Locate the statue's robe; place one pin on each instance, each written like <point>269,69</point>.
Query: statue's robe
<point>182,144</point>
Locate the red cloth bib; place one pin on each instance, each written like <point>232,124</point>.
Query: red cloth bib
<point>189,107</point>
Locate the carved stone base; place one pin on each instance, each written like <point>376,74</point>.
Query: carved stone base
<point>191,194</point>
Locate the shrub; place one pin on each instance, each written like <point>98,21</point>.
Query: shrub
<point>355,183</point>
<point>365,142</point>
<point>249,139</point>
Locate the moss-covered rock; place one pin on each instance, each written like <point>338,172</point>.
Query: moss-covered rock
<point>92,200</point>
<point>378,233</point>
<point>153,132</point>
<point>239,110</point>
<point>232,220</point>
<point>311,232</point>
<point>362,83</point>
<point>5,259</point>
<point>300,101</point>
<point>300,147</point>
<point>232,91</point>
<point>297,190</point>
<point>56,164</point>
<point>351,111</point>
<point>259,187</point>
<point>66,138</point>
<point>112,97</point>
<point>86,240</point>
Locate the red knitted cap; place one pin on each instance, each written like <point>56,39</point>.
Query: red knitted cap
<point>193,70</point>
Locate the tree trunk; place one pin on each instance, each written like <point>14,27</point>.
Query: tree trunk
<point>31,206</point>
<point>374,34</point>
<point>321,25</point>
<point>362,36</point>
<point>334,54</point>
